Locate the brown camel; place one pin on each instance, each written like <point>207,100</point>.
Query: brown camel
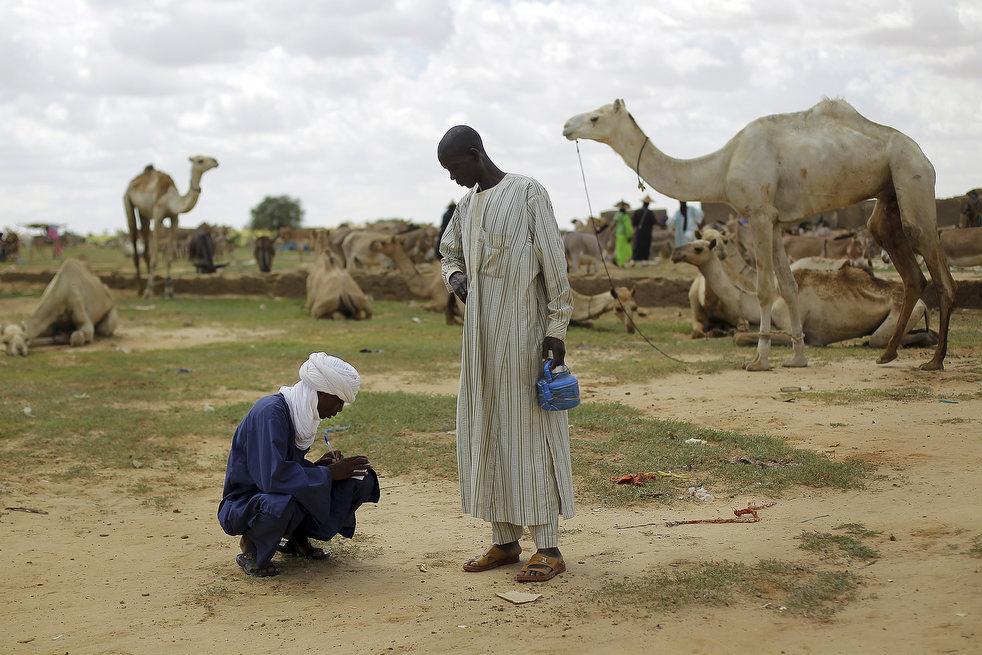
<point>74,308</point>
<point>427,287</point>
<point>153,195</point>
<point>619,300</point>
<point>333,293</point>
<point>784,167</point>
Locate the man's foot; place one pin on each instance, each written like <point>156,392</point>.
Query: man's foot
<point>301,547</point>
<point>495,557</point>
<point>542,566</point>
<point>248,563</point>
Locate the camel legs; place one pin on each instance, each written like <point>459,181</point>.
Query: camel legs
<point>886,227</point>
<point>772,261</point>
<point>107,326</point>
<point>881,335</point>
<point>84,329</point>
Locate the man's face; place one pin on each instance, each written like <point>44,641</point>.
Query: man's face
<point>328,405</point>
<point>463,167</point>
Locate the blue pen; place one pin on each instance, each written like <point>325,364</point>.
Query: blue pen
<point>328,442</point>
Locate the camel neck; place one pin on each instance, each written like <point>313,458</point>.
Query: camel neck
<point>683,179</point>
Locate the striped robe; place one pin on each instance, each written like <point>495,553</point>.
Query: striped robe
<point>512,456</point>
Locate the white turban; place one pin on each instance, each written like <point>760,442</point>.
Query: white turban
<point>321,372</point>
<point>331,375</point>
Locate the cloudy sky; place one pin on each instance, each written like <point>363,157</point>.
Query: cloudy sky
<point>341,103</point>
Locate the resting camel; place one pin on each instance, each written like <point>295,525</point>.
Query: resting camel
<point>784,167</point>
<point>153,195</point>
<point>75,307</point>
<point>428,287</point>
<point>333,293</point>
<point>836,305</point>
<point>620,300</point>
<point>963,246</point>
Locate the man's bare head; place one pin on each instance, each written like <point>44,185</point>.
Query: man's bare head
<point>462,153</point>
<point>459,140</point>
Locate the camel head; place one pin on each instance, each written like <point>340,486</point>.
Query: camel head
<point>711,234</point>
<point>202,163</point>
<point>385,246</point>
<point>626,307</point>
<point>696,252</point>
<point>14,339</point>
<point>597,125</point>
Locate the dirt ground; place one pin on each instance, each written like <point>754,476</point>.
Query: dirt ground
<point>103,573</point>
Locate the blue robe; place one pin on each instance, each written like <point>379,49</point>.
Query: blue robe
<point>271,489</point>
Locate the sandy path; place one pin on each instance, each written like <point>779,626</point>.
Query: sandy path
<point>105,573</point>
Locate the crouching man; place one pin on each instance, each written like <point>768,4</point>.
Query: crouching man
<point>273,492</point>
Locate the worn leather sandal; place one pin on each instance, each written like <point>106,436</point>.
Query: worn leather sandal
<point>540,568</point>
<point>492,559</point>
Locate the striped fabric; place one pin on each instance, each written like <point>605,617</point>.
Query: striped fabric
<point>512,456</point>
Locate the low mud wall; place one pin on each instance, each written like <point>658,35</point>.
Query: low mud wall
<point>649,291</point>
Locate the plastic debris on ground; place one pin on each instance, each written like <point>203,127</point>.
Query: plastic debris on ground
<point>637,479</point>
<point>699,441</point>
<point>518,597</point>
<point>700,493</point>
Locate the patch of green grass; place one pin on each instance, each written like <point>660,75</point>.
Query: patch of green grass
<point>976,548</point>
<point>610,439</point>
<point>853,396</point>
<point>797,589</point>
<point>857,530</point>
<point>833,544</point>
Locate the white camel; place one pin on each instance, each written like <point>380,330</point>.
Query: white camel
<point>784,167</point>
<point>74,308</point>
<point>153,195</point>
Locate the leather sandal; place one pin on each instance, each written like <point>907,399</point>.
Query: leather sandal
<point>540,568</point>
<point>492,559</point>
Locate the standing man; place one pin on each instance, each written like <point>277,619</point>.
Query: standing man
<point>503,257</point>
<point>273,491</point>
<point>622,234</point>
<point>643,221</point>
<point>685,221</point>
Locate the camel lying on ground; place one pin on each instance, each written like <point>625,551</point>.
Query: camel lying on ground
<point>426,287</point>
<point>837,305</point>
<point>620,300</point>
<point>333,293</point>
<point>963,246</point>
<point>75,307</point>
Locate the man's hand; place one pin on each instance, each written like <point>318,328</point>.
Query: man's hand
<point>458,282</point>
<point>558,349</point>
<point>329,458</point>
<point>349,467</point>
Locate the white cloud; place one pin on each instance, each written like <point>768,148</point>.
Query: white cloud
<point>342,103</point>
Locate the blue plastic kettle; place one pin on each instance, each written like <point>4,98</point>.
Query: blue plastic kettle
<point>559,389</point>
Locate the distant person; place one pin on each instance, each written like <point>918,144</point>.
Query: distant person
<point>503,257</point>
<point>685,221</point>
<point>447,215</point>
<point>274,496</point>
<point>622,234</point>
<point>51,236</point>
<point>643,222</point>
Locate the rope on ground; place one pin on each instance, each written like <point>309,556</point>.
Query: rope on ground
<point>596,233</point>
<point>745,515</point>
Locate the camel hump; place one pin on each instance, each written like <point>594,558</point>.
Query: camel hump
<point>148,168</point>
<point>835,108</point>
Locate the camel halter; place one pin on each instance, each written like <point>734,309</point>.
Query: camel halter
<point>596,233</point>
<point>637,167</point>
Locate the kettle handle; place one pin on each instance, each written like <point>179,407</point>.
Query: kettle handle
<point>546,372</point>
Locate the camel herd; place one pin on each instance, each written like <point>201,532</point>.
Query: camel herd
<point>779,169</point>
